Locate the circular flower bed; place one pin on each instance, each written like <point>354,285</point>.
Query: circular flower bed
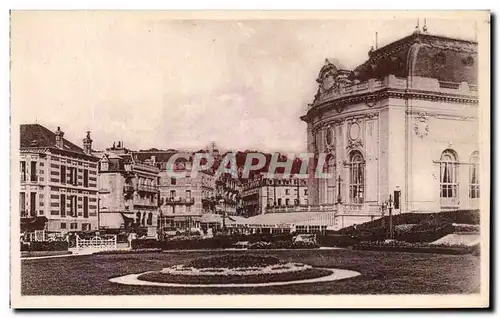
<point>235,269</point>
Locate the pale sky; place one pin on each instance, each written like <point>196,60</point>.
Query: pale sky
<point>151,81</point>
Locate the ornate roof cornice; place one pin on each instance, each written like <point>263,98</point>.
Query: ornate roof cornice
<point>369,98</point>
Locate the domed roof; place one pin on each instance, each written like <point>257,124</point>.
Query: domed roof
<point>422,54</point>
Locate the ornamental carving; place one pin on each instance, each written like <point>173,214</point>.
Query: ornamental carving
<point>354,131</point>
<point>371,102</point>
<point>371,115</point>
<point>421,126</point>
<point>354,144</point>
<point>329,135</point>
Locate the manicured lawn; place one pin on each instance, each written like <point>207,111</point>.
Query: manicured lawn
<point>381,273</point>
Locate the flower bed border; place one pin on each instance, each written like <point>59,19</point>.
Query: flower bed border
<point>336,274</point>
<point>435,250</point>
<point>160,277</point>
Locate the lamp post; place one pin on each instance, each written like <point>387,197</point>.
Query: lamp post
<point>223,208</point>
<point>339,198</point>
<point>389,206</point>
<point>274,185</point>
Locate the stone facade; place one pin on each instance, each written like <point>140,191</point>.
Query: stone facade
<point>128,192</point>
<point>401,125</point>
<point>58,182</point>
<point>264,195</point>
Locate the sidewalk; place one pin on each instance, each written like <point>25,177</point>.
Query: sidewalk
<point>74,252</point>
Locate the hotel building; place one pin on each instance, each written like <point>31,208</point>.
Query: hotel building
<point>128,192</point>
<point>58,182</point>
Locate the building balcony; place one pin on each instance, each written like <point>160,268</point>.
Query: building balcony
<point>393,82</point>
<point>300,208</point>
<point>145,206</point>
<point>178,201</point>
<point>342,208</point>
<point>29,179</point>
<point>147,188</point>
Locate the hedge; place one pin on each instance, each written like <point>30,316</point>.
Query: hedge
<point>145,244</point>
<point>283,245</point>
<point>45,246</point>
<point>396,246</point>
<point>337,240</point>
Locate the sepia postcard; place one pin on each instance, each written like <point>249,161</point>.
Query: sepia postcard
<point>250,159</point>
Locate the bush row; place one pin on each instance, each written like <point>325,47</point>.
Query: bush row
<point>45,246</point>
<point>218,242</point>
<point>397,246</point>
<point>283,244</point>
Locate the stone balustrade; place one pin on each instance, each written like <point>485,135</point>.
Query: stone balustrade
<point>391,81</point>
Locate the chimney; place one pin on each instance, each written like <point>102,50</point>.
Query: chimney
<point>87,144</point>
<point>153,159</point>
<point>59,137</point>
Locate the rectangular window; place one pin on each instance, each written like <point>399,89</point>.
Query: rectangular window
<point>73,226</point>
<point>72,210</point>
<point>40,199</point>
<point>188,194</point>
<point>33,204</point>
<point>63,225</point>
<point>85,207</point>
<point>33,171</point>
<point>287,191</point>
<point>305,191</point>
<point>22,204</point>
<point>23,171</point>
<point>173,181</point>
<point>85,178</point>
<point>70,175</point>
<point>63,205</point>
<point>287,202</point>
<point>279,201</point>
<point>63,174</point>
<point>73,178</point>
<point>172,193</point>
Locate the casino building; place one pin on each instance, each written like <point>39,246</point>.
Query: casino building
<point>404,121</point>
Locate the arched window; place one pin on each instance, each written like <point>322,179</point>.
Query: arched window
<point>331,181</point>
<point>448,178</point>
<point>356,177</point>
<point>474,176</point>
<point>150,218</point>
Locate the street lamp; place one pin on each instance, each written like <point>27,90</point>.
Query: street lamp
<point>339,198</point>
<point>389,206</point>
<point>223,208</point>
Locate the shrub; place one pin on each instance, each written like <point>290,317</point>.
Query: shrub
<point>45,246</point>
<point>304,244</point>
<point>233,261</point>
<point>335,239</point>
<point>145,244</point>
<point>197,242</point>
<point>400,246</point>
<point>261,245</point>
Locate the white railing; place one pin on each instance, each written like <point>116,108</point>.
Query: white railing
<point>97,242</point>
